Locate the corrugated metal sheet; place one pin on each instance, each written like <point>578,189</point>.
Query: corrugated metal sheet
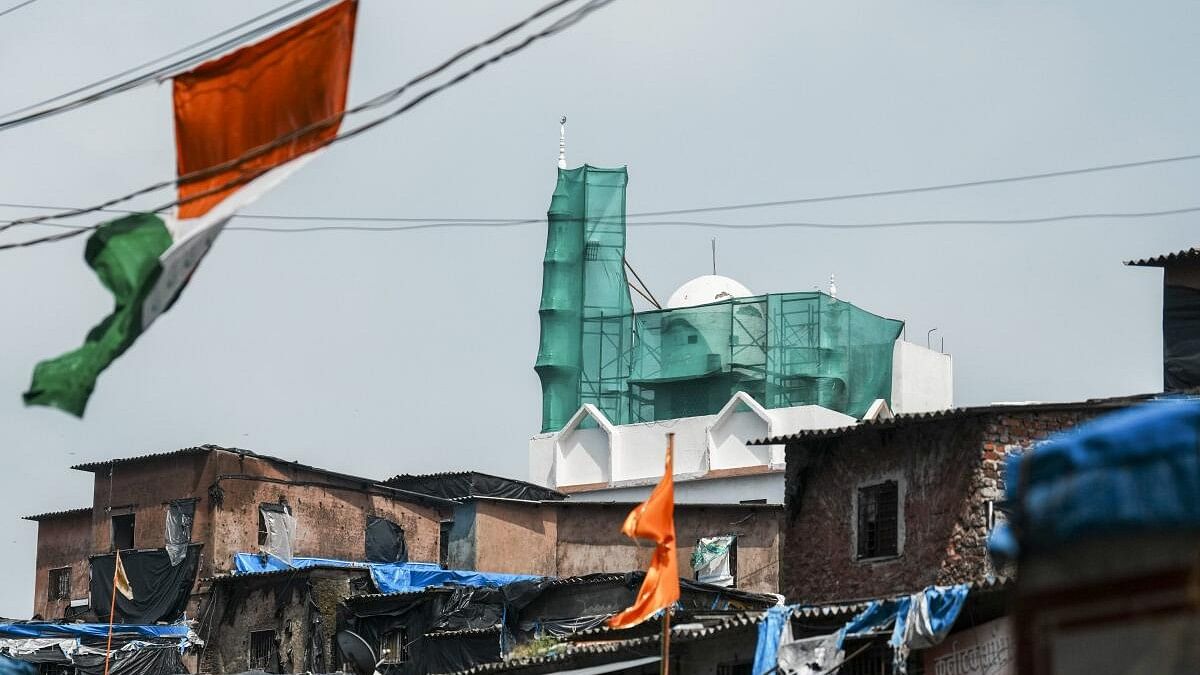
<point>1187,254</point>
<point>58,514</point>
<point>908,419</point>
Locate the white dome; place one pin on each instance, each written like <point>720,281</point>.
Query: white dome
<point>706,289</point>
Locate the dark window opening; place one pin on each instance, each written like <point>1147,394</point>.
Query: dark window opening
<point>60,584</point>
<point>393,648</point>
<point>746,668</point>
<point>444,543</point>
<point>122,532</point>
<point>269,507</point>
<point>878,520</point>
<point>262,650</point>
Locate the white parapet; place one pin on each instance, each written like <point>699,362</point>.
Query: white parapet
<point>592,452</point>
<point>922,379</point>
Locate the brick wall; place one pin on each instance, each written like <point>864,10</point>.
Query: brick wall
<point>947,468</point>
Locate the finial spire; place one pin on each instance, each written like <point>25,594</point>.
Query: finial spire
<point>562,142</point>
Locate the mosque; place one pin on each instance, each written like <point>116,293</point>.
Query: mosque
<point>718,365</point>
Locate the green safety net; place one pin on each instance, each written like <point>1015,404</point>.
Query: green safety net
<point>784,349</point>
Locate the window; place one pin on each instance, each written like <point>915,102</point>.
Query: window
<point>122,532</point>
<point>262,650</point>
<point>60,583</point>
<point>878,520</point>
<point>715,560</point>
<point>393,648</point>
<point>444,543</point>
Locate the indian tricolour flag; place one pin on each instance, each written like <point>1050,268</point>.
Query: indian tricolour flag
<point>229,116</point>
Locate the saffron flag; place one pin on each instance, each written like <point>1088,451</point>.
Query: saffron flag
<point>245,122</point>
<point>654,519</point>
<point>121,580</point>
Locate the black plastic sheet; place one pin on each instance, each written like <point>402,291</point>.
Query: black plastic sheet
<point>1181,338</point>
<point>145,661</point>
<point>473,484</point>
<point>160,589</point>
<point>385,541</point>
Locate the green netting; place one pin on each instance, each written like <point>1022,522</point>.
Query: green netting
<point>783,349</point>
<point>585,311</point>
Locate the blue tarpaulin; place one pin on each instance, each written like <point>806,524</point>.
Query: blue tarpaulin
<point>1133,470</point>
<point>11,666</point>
<point>918,621</point>
<point>770,631</point>
<point>388,577</point>
<point>37,629</point>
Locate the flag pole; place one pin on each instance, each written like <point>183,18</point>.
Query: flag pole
<point>666,642</point>
<point>112,611</point>
<point>666,620</point>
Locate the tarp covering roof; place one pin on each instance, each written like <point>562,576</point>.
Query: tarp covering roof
<point>40,629</point>
<point>1134,470</point>
<point>467,484</point>
<point>388,577</point>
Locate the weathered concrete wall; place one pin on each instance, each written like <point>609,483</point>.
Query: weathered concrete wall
<point>331,514</point>
<point>947,470</point>
<point>144,489</point>
<point>590,540</point>
<point>278,603</point>
<point>63,541</point>
<point>515,538</point>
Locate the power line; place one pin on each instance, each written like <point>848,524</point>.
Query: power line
<point>166,70</point>
<point>561,24</point>
<point>17,6</point>
<point>134,69</point>
<point>642,214</point>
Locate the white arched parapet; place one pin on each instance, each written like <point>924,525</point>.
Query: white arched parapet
<point>742,419</point>
<point>583,456</point>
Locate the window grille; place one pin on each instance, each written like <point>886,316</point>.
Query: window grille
<point>878,520</point>
<point>262,650</point>
<point>393,648</point>
<point>60,584</point>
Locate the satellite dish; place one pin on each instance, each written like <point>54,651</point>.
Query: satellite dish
<point>356,650</point>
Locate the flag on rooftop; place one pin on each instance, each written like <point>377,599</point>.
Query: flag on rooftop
<point>242,105</point>
<point>654,519</point>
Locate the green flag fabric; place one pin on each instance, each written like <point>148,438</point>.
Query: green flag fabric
<point>125,254</point>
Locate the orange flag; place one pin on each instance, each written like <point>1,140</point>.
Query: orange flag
<point>654,519</point>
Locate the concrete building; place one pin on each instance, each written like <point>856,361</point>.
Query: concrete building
<point>882,508</point>
<point>227,491</point>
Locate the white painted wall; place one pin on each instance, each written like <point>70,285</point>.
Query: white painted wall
<point>922,379</point>
<point>728,441</point>
<point>583,458</point>
<point>727,490</point>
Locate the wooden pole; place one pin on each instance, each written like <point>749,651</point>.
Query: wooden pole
<point>666,642</point>
<point>112,611</point>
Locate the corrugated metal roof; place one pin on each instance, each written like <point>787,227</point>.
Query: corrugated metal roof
<point>574,650</point>
<point>907,419</point>
<point>194,450</point>
<point>1187,254</point>
<point>225,578</point>
<point>58,514</point>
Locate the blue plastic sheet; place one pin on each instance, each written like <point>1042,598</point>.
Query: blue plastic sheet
<point>388,577</point>
<point>37,629</point>
<point>407,577</point>
<point>770,629</point>
<point>937,607</point>
<point>11,666</point>
<point>1133,470</point>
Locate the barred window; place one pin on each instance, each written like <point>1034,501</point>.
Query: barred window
<point>393,648</point>
<point>878,520</point>
<point>262,650</point>
<point>60,583</point>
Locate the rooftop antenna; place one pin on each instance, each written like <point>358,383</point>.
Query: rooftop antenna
<point>714,255</point>
<point>832,288</point>
<point>562,142</point>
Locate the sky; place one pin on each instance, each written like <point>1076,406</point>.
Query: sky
<point>383,353</point>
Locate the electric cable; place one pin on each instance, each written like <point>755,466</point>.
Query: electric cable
<point>15,7</point>
<point>561,24</point>
<point>167,70</point>
<point>151,62</point>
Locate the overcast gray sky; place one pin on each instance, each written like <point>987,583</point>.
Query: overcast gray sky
<point>377,353</point>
